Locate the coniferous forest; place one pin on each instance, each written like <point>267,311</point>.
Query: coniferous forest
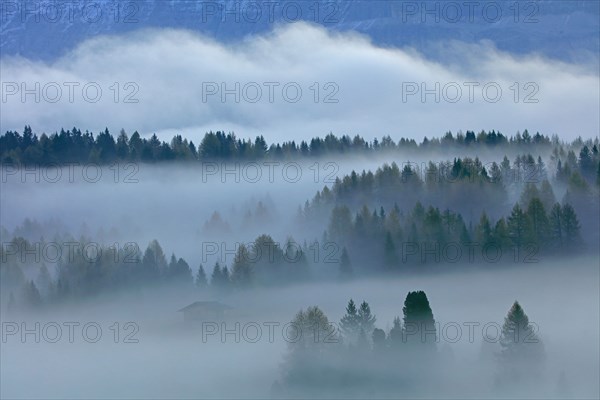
<point>530,205</point>
<point>299,199</point>
<point>404,220</point>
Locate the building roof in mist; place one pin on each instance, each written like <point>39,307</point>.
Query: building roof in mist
<point>214,305</point>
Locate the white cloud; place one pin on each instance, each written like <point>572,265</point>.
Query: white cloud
<point>173,68</point>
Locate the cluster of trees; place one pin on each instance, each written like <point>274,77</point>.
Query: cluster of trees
<point>360,358</point>
<point>87,270</point>
<point>459,185</point>
<point>370,241</point>
<point>465,185</point>
<point>429,236</point>
<point>261,263</point>
<point>77,146</point>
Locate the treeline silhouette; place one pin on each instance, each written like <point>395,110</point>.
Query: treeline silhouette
<point>70,146</point>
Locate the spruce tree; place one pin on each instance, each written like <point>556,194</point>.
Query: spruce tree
<point>350,323</point>
<point>522,352</point>
<point>517,227</point>
<point>216,279</point>
<point>365,318</point>
<point>539,224</point>
<point>419,324</point>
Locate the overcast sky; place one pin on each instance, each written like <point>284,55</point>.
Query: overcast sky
<point>169,82</point>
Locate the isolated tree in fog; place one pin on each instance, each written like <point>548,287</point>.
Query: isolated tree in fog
<point>522,352</point>
<point>419,324</point>
<point>516,331</point>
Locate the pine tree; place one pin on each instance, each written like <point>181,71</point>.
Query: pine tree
<point>547,194</point>
<point>501,235</point>
<point>154,261</point>
<point>341,222</point>
<point>181,272</point>
<point>517,227</point>
<point>540,226</point>
<point>350,323</point>
<point>530,192</point>
<point>484,231</point>
<point>216,279</point>
<point>225,276</point>
<point>365,319</point>
<point>521,350</point>
<point>516,329</point>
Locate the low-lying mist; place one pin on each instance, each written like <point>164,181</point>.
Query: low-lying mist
<point>147,350</point>
<point>138,202</point>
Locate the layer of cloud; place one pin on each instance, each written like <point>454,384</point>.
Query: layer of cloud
<point>362,89</point>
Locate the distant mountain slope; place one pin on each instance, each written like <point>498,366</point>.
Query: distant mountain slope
<point>566,30</point>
